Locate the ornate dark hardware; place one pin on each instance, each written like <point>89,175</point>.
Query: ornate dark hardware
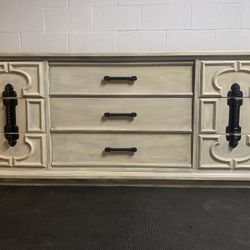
<point>235,100</point>
<point>130,115</point>
<point>128,150</point>
<point>10,101</point>
<point>120,78</point>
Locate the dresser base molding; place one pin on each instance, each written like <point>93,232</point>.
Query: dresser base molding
<point>123,178</point>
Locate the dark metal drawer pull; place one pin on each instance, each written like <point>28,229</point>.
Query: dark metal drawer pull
<point>120,78</point>
<point>235,100</point>
<point>129,150</point>
<point>10,102</point>
<point>132,114</point>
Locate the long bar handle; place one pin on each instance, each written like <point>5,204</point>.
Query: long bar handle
<point>235,100</point>
<point>129,150</point>
<point>120,78</point>
<point>131,115</point>
<point>10,102</point>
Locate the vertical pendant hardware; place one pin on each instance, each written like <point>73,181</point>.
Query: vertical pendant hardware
<point>235,100</point>
<point>10,102</point>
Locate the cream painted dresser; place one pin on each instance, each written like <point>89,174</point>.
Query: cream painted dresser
<point>154,118</point>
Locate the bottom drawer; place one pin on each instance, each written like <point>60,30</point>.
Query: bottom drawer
<point>153,150</point>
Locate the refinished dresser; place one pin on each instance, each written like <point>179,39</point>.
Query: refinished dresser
<point>125,117</point>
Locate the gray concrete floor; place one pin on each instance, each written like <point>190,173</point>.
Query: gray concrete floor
<point>115,218</point>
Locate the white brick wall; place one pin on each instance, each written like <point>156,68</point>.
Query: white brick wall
<point>123,25</point>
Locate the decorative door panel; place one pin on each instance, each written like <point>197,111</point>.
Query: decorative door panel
<point>224,128</point>
<point>215,152</point>
<point>214,116</point>
<point>30,115</point>
<point>22,115</point>
<point>29,151</point>
<point>25,77</point>
<point>218,76</point>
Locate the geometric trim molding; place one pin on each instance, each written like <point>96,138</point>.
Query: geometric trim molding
<point>215,153</point>
<point>209,116</point>
<point>32,72</point>
<point>35,115</point>
<point>213,71</point>
<point>34,156</point>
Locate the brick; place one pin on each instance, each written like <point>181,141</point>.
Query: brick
<point>44,42</point>
<point>92,2</point>
<point>245,22</point>
<point>21,19</point>
<point>216,16</point>
<point>61,19</point>
<point>42,3</point>
<point>190,40</point>
<point>158,17</point>
<point>92,42</point>
<point>9,42</point>
<point>116,18</point>
<point>157,2</point>
<point>232,39</point>
<point>141,41</point>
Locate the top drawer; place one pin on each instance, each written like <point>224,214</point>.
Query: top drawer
<point>151,79</point>
<point>217,77</point>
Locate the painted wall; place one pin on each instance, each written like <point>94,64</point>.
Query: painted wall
<point>123,25</point>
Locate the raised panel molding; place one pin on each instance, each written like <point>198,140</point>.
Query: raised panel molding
<point>215,153</point>
<point>211,71</point>
<point>208,116</point>
<point>35,115</point>
<point>32,72</point>
<point>31,152</point>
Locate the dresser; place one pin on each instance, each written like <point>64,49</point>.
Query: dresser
<point>125,118</point>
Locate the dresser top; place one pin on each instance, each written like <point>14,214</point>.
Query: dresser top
<point>154,55</point>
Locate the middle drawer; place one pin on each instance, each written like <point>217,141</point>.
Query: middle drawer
<point>131,114</point>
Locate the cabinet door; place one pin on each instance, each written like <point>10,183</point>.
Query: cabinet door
<point>22,115</point>
<point>224,129</point>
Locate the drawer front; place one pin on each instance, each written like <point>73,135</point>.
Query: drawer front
<point>214,115</point>
<point>152,79</point>
<point>152,114</point>
<point>27,78</point>
<point>30,151</point>
<point>217,77</point>
<point>153,150</point>
<point>30,115</point>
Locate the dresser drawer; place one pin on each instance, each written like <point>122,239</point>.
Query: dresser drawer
<point>217,77</point>
<point>140,114</point>
<point>153,150</point>
<point>137,79</point>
